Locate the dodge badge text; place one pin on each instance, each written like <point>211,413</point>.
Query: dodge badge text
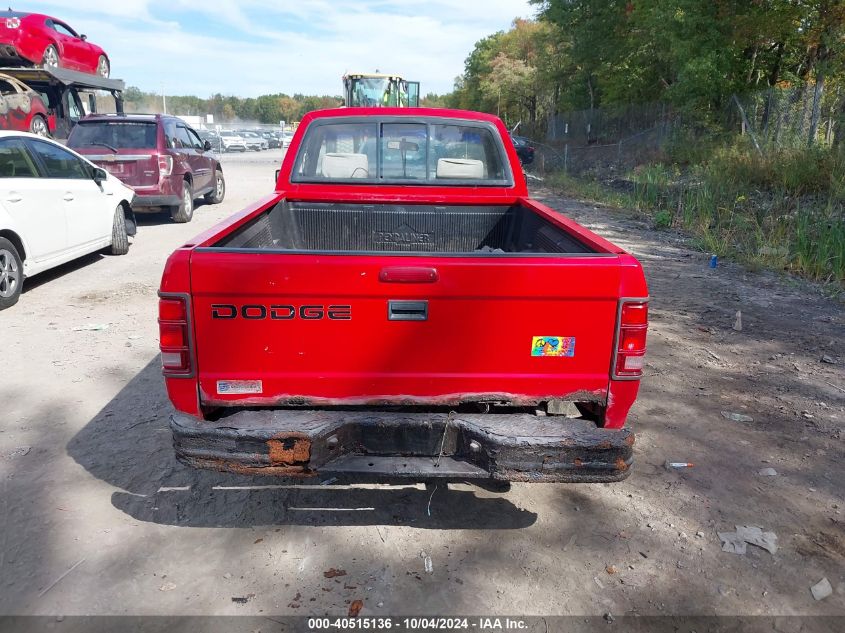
<point>281,312</point>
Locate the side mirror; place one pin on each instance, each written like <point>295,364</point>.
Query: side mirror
<point>83,37</point>
<point>278,171</point>
<point>207,146</point>
<point>100,175</point>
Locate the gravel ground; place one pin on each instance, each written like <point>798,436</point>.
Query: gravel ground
<point>89,482</point>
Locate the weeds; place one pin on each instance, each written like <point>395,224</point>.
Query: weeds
<point>784,210</point>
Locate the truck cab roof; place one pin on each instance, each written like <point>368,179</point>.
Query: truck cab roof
<point>368,150</point>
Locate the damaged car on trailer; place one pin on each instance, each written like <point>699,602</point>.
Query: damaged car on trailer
<point>400,307</point>
<point>22,109</point>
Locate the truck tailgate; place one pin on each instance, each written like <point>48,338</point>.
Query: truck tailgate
<point>280,328</point>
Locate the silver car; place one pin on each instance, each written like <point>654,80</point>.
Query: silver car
<point>254,142</point>
<point>232,142</point>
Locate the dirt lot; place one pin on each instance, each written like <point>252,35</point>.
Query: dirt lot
<point>90,484</point>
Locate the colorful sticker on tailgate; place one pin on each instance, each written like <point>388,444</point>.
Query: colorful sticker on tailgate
<point>227,387</point>
<point>553,346</point>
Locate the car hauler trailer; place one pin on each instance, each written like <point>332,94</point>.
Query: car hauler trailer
<point>61,90</point>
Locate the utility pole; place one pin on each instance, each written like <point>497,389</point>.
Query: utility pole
<point>163,100</point>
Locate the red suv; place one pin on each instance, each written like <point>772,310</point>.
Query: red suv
<point>161,157</point>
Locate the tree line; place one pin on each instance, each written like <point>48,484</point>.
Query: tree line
<point>267,109</point>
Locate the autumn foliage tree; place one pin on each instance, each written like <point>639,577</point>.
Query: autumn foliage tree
<point>694,55</point>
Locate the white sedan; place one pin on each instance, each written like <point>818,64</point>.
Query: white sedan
<point>55,206</point>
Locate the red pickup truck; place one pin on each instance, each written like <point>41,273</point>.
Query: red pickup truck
<point>400,307</point>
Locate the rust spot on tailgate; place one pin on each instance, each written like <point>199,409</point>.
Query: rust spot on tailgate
<point>287,449</point>
<point>621,465</point>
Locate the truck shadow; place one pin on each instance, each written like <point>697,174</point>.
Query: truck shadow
<point>210,502</point>
<point>128,445</point>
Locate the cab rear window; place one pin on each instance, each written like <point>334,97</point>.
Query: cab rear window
<point>114,134</point>
<point>402,151</point>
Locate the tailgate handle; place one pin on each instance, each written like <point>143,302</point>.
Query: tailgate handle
<point>408,275</point>
<point>407,310</point>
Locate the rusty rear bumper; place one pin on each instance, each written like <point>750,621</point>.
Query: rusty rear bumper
<point>375,445</point>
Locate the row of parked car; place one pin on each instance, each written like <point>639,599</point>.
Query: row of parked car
<point>246,140</point>
<point>58,203</point>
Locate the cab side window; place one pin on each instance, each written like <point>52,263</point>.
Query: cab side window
<point>74,112</point>
<point>59,162</point>
<point>15,161</point>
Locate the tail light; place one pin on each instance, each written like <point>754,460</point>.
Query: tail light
<point>175,336</point>
<point>629,355</point>
<point>165,165</point>
<point>13,23</point>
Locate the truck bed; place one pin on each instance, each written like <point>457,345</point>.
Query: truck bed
<point>419,228</point>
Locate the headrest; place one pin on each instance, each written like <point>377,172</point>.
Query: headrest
<point>341,165</point>
<point>465,168</point>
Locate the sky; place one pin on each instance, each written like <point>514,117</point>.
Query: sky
<point>252,47</point>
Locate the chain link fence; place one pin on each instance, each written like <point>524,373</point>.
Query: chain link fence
<point>602,139</point>
<point>788,117</point>
<point>605,126</point>
<point>608,140</point>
